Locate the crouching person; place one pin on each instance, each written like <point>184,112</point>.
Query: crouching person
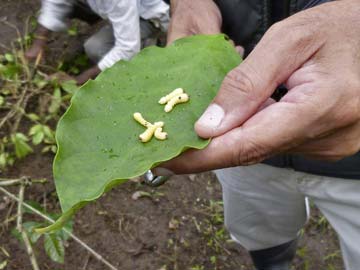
<point>120,39</point>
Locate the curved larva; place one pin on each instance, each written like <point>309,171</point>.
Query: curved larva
<point>148,133</point>
<point>160,135</point>
<point>168,97</point>
<point>159,124</point>
<point>140,119</point>
<point>151,129</point>
<point>182,98</point>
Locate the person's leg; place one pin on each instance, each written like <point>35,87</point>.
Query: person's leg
<point>103,40</point>
<point>339,201</point>
<point>263,212</point>
<point>82,11</point>
<point>99,43</point>
<point>149,33</point>
<point>156,11</point>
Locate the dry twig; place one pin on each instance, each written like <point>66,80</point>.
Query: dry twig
<point>20,227</point>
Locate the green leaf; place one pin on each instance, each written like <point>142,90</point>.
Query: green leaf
<point>69,86</point>
<point>54,247</point>
<point>2,100</point>
<point>72,31</point>
<point>22,148</point>
<point>33,117</point>
<point>9,57</point>
<point>3,157</point>
<point>10,70</point>
<point>49,134</point>
<point>69,226</point>
<point>37,134</point>
<point>35,205</point>
<point>56,101</point>
<point>29,228</point>
<point>38,138</point>
<point>98,145</point>
<point>40,82</point>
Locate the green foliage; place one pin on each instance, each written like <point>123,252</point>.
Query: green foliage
<point>73,30</point>
<point>6,158</point>
<point>69,86</point>
<point>22,148</point>
<point>98,145</point>
<point>54,247</point>
<point>23,84</point>
<point>75,66</point>
<point>54,243</point>
<point>56,101</point>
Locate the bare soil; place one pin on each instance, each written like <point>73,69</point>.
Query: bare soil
<point>178,226</point>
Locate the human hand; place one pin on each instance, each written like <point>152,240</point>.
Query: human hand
<point>90,73</point>
<point>316,54</point>
<point>39,43</point>
<point>191,17</point>
<point>60,76</point>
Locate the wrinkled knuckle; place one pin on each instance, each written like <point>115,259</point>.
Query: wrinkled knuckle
<point>298,32</point>
<point>248,153</point>
<point>276,29</point>
<point>348,105</point>
<point>240,82</point>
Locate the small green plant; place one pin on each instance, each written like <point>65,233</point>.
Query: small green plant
<point>54,243</point>
<point>31,103</point>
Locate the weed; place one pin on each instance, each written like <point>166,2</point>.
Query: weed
<point>31,102</point>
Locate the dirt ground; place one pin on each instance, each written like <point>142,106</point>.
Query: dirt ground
<point>180,226</point>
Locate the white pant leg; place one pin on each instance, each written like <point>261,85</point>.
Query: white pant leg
<point>100,43</point>
<point>339,201</point>
<point>262,205</point>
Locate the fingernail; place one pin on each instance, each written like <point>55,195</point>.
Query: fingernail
<point>212,117</point>
<point>159,171</point>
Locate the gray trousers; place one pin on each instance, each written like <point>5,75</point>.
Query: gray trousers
<point>102,41</point>
<point>267,206</point>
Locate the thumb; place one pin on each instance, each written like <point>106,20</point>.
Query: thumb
<point>246,87</point>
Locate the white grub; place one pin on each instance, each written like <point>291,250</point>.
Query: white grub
<point>182,98</point>
<point>159,124</point>
<point>160,135</point>
<point>148,134</point>
<point>140,119</point>
<point>168,97</point>
<point>150,129</point>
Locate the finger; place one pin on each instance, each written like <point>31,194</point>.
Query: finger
<point>175,32</point>
<point>256,140</point>
<point>221,152</point>
<point>216,155</point>
<point>246,87</point>
<point>210,24</point>
<point>240,50</point>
